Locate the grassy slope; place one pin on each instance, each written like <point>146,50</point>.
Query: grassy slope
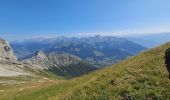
<point>11,86</point>
<point>141,77</point>
<point>73,70</point>
<point>8,92</point>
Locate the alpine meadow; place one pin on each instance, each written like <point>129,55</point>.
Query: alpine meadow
<point>84,50</point>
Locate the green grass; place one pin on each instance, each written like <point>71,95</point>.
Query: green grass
<point>139,78</point>
<point>43,73</point>
<point>9,92</point>
<point>13,86</point>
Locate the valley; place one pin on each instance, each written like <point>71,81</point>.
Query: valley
<point>84,50</point>
<point>98,50</point>
<point>143,76</point>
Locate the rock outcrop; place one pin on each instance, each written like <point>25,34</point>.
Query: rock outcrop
<point>43,61</point>
<point>6,53</point>
<point>65,65</point>
<point>9,66</point>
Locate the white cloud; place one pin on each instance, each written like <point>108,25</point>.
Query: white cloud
<point>126,32</point>
<point>120,33</point>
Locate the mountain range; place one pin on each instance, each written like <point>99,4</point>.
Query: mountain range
<point>62,65</point>
<point>150,40</point>
<point>98,50</point>
<point>141,77</point>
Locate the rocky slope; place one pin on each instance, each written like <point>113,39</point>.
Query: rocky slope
<point>61,64</point>
<point>6,53</point>
<point>9,66</point>
<point>43,61</point>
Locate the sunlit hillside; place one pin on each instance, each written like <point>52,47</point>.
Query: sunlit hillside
<point>141,77</point>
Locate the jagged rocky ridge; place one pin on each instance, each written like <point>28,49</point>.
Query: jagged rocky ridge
<point>9,66</point>
<point>43,61</point>
<point>6,53</point>
<point>61,64</point>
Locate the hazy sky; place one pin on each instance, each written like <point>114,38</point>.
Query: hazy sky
<point>48,18</point>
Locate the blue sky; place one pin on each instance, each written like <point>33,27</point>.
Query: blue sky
<point>21,19</point>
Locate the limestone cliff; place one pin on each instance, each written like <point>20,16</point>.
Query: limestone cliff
<point>43,61</point>
<point>65,65</point>
<point>6,53</point>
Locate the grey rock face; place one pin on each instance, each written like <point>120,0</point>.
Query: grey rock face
<point>62,59</point>
<point>6,53</point>
<point>43,61</point>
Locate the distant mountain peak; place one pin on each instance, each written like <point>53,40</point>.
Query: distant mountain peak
<point>40,54</point>
<point>98,36</point>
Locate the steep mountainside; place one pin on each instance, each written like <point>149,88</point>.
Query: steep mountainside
<point>8,61</point>
<point>12,71</point>
<point>143,77</point>
<point>6,53</point>
<point>61,64</point>
<point>98,50</point>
